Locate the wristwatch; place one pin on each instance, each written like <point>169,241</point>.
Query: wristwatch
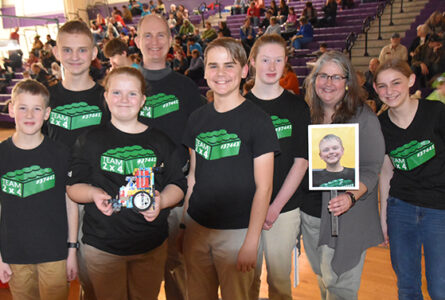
<point>353,200</point>
<point>73,245</point>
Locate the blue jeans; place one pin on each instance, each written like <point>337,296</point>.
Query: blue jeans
<point>300,42</point>
<point>410,227</point>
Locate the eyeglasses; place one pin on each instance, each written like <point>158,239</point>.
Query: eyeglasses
<point>336,78</point>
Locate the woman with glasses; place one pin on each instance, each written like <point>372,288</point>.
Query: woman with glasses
<point>335,96</point>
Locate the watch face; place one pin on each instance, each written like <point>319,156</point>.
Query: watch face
<point>142,201</point>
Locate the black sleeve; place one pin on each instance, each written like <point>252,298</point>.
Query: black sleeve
<point>264,136</point>
<point>302,135</point>
<point>188,138</point>
<point>80,168</point>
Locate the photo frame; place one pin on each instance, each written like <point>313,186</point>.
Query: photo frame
<point>333,157</point>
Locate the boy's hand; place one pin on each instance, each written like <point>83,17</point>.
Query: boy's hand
<point>151,214</point>
<point>247,257</point>
<point>71,265</point>
<point>100,198</point>
<point>5,272</point>
<point>272,214</point>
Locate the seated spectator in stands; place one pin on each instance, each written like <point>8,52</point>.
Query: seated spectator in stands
<point>180,63</point>
<point>422,36</point>
<point>283,11</point>
<point>124,37</point>
<point>116,51</point>
<point>186,29</point>
<point>126,14</point>
<point>47,58</point>
<point>369,77</point>
<point>197,36</point>
<point>111,32</point>
<point>238,7</point>
<point>135,7</point>
<point>5,80</point>
<point>428,60</point>
<point>196,68</point>
<point>37,45</point>
<point>247,34</point>
<point>160,8</point>
<point>97,31</point>
<point>289,80</point>
<point>439,92</point>
<point>304,36</point>
<point>274,27</point>
<point>56,71</point>
<point>223,30</point>
<point>172,23</point>
<point>179,20</point>
<point>193,45</point>
<point>436,24</point>
<point>347,4</point>
<point>40,74</point>
<point>253,12</point>
<point>152,6</point>
<point>173,9</point>
<point>209,34</point>
<point>145,10</point>
<point>50,41</point>
<point>273,8</point>
<point>394,50</point>
<point>330,14</point>
<point>14,35</point>
<point>132,34</point>
<point>31,60</point>
<point>14,61</point>
<point>116,11</point>
<point>184,11</point>
<point>265,22</point>
<point>292,19</point>
<point>135,58</point>
<point>100,20</point>
<point>310,13</point>
<point>119,21</point>
<point>323,48</point>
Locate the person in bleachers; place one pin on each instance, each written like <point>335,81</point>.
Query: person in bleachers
<point>172,22</point>
<point>47,58</point>
<point>321,50</point>
<point>274,8</point>
<point>394,49</point>
<point>330,14</point>
<point>428,60</point>
<point>292,19</point>
<point>283,11</point>
<point>160,8</point>
<point>145,10</point>
<point>39,73</point>
<point>37,45</point>
<point>289,80</point>
<point>135,7</point>
<point>180,63</point>
<point>14,35</point>
<point>31,59</point>
<point>310,13</point>
<point>193,45</point>
<point>435,24</point>
<point>56,71</point>
<point>184,11</point>
<point>196,68</point>
<point>209,34</point>
<point>368,85</point>
<point>126,14</point>
<point>186,28</point>
<point>116,51</point>
<point>116,11</point>
<point>439,92</point>
<point>274,27</point>
<point>14,61</point>
<point>223,30</point>
<point>253,12</point>
<point>304,36</point>
<point>238,7</point>
<point>265,22</point>
<point>247,34</point>
<point>422,37</point>
<point>50,41</point>
<point>347,4</point>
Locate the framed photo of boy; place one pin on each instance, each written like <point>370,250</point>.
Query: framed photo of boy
<point>333,157</point>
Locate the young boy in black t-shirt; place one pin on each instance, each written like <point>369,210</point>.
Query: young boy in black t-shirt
<point>232,144</point>
<point>37,220</point>
<point>125,252</point>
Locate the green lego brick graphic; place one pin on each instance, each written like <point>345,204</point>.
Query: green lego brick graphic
<point>75,115</point>
<point>159,105</point>
<point>28,181</point>
<point>124,160</point>
<point>412,155</point>
<point>217,144</point>
<point>283,127</point>
<point>338,183</point>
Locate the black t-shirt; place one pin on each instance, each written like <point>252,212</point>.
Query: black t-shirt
<point>419,168</point>
<point>291,117</point>
<point>181,96</point>
<point>34,225</point>
<point>126,232</point>
<point>67,123</point>
<point>323,176</point>
<point>226,145</point>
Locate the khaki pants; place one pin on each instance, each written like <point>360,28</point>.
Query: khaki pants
<point>135,277</point>
<point>211,256</point>
<point>277,245</point>
<point>45,281</point>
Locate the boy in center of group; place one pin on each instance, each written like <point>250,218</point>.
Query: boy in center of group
<point>232,144</point>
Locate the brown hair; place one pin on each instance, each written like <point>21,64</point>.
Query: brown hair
<point>127,71</point>
<point>234,47</point>
<point>32,87</point>
<point>76,26</point>
<point>353,98</point>
<point>115,46</point>
<point>393,64</point>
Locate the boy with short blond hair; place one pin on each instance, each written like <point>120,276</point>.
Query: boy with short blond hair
<point>37,220</point>
<point>225,213</point>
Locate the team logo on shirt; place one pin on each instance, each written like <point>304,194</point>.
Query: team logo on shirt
<point>75,115</point>
<point>124,160</point>
<point>159,105</point>
<point>283,127</point>
<point>28,181</point>
<point>412,155</point>
<point>217,144</point>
